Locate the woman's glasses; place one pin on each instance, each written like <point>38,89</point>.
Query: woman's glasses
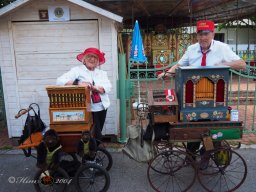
<point>91,56</point>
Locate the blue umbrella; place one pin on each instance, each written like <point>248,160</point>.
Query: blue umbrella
<point>137,50</point>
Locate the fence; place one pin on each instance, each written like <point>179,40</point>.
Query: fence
<point>242,90</point>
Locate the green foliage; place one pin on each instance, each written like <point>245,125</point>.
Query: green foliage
<point>5,2</point>
<point>236,23</point>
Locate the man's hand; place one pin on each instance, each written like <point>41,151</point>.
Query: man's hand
<point>168,73</point>
<point>163,74</point>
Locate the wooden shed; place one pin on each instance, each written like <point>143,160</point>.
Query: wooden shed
<point>39,41</point>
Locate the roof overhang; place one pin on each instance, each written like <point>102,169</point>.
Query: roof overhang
<point>12,6</point>
<point>100,11</point>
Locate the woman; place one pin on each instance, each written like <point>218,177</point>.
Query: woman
<point>97,80</point>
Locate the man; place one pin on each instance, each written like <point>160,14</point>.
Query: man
<point>208,52</point>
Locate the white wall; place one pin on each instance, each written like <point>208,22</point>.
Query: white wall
<point>29,12</point>
<point>243,37</point>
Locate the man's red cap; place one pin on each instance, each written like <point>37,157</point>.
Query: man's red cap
<point>205,26</point>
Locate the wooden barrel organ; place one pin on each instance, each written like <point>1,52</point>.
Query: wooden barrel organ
<point>69,111</point>
<point>198,104</point>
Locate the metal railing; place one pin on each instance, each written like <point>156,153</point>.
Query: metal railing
<point>242,90</point>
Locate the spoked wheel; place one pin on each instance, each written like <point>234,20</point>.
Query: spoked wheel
<point>103,158</point>
<point>51,180</point>
<point>92,178</point>
<point>162,146</point>
<point>226,171</point>
<point>168,171</point>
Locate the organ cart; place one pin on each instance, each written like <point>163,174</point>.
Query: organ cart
<point>197,111</point>
<point>69,110</point>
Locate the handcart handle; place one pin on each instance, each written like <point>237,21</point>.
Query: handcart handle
<point>22,112</point>
<point>27,152</point>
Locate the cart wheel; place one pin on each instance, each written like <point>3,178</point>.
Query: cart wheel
<point>51,180</point>
<point>226,171</point>
<point>92,177</point>
<point>168,171</point>
<point>103,158</point>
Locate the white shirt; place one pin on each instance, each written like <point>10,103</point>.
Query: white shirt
<point>99,77</point>
<point>218,53</point>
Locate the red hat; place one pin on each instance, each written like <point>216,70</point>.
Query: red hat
<point>92,51</point>
<point>204,26</point>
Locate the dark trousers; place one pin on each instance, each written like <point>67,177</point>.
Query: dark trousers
<point>98,123</point>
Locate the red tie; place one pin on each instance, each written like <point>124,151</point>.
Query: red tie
<point>203,59</point>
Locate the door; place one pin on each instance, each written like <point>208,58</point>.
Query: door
<point>46,50</point>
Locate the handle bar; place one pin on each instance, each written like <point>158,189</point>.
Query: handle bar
<point>170,74</point>
<point>22,112</point>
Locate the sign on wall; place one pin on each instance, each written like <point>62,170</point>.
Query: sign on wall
<point>58,13</point>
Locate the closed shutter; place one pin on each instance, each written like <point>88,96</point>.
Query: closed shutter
<point>44,51</point>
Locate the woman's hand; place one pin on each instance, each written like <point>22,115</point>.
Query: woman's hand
<point>98,89</point>
<point>86,84</point>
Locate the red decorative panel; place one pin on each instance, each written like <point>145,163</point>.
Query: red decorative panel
<point>220,91</point>
<point>189,92</point>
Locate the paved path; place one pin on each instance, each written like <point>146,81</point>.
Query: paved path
<point>126,175</point>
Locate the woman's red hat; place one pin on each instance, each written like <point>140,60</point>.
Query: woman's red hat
<point>205,26</point>
<point>92,50</point>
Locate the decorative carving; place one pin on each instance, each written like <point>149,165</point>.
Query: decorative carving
<point>217,114</point>
<point>160,41</point>
<point>173,45</point>
<point>147,45</point>
<point>204,102</point>
<point>162,56</point>
<point>191,116</point>
<point>204,115</point>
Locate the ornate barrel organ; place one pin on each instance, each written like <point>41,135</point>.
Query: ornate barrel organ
<point>202,93</point>
<point>69,110</point>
